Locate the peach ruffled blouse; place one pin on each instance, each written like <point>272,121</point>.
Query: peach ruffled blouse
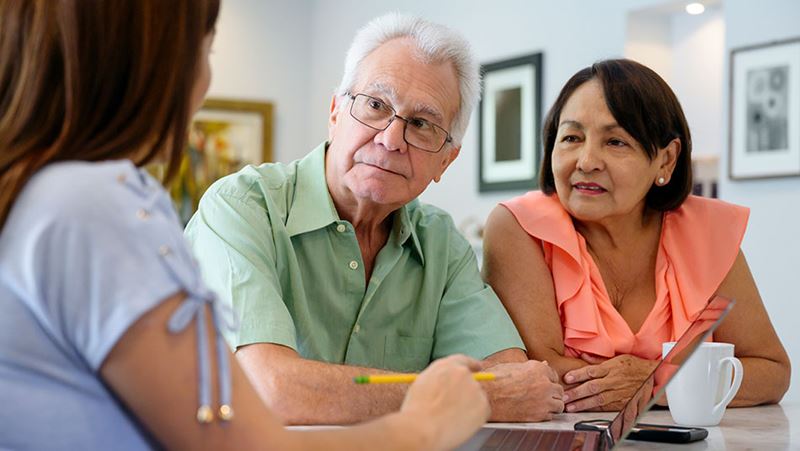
<point>699,244</point>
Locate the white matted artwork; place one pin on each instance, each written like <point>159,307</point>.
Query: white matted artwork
<point>765,111</point>
<point>510,118</point>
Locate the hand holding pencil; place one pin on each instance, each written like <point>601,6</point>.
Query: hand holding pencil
<point>448,402</point>
<point>409,378</point>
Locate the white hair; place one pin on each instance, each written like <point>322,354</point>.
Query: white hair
<point>434,43</point>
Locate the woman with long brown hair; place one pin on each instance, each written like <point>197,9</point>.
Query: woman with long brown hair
<point>108,336</point>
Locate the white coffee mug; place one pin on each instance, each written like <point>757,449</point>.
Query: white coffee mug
<point>702,388</point>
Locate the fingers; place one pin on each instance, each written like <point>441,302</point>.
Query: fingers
<point>592,359</point>
<point>585,390</point>
<point>586,373</point>
<point>460,359</point>
<point>551,373</point>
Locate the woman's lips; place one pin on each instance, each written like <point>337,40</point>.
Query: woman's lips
<point>591,189</point>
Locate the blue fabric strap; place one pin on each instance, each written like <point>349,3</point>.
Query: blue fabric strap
<point>193,307</point>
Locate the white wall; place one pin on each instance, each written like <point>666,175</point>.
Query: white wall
<point>697,54</point>
<point>261,52</point>
<point>771,245</point>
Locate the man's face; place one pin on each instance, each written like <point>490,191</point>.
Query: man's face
<point>380,167</point>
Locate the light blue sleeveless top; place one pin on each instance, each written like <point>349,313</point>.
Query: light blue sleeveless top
<point>87,249</point>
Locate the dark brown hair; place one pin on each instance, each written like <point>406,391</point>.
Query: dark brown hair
<point>644,105</point>
<point>95,80</point>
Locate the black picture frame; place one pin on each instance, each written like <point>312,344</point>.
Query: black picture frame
<point>764,111</point>
<point>509,124</point>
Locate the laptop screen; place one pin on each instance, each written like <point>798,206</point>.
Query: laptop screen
<point>702,327</point>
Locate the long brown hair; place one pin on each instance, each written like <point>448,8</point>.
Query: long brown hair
<point>95,80</point>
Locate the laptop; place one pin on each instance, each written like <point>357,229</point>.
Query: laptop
<point>502,439</point>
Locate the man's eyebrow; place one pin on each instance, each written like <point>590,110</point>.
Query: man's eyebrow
<point>382,89</point>
<point>423,108</point>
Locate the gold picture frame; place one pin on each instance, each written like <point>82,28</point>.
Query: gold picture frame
<point>224,136</point>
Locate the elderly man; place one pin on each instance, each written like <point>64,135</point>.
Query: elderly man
<point>336,270</point>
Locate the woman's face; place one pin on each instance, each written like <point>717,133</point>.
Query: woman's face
<point>203,80</point>
<point>600,171</point>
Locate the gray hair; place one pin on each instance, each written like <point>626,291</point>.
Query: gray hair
<point>435,43</point>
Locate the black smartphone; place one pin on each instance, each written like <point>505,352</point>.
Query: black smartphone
<point>650,432</point>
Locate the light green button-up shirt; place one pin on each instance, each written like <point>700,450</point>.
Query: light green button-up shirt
<point>271,243</point>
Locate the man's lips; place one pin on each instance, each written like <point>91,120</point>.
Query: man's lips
<point>382,168</point>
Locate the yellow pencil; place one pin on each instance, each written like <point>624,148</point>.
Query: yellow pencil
<point>408,378</point>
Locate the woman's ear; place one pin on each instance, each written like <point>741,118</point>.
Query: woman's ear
<point>668,159</point>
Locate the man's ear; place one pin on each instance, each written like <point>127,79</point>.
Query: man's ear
<point>451,157</point>
<point>333,117</point>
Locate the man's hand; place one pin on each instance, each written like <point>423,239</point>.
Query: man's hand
<point>524,392</point>
<point>606,385</point>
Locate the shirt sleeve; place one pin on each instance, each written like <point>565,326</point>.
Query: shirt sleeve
<point>471,319</point>
<point>104,254</point>
<point>232,238</point>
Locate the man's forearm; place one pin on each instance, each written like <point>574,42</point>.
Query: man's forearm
<point>309,392</point>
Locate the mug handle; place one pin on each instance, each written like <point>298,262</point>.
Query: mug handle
<point>738,372</point>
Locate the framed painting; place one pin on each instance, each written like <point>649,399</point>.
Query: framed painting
<point>764,129</point>
<point>510,115</point>
<point>224,136</point>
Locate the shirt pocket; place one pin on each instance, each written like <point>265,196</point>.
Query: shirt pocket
<point>407,354</point>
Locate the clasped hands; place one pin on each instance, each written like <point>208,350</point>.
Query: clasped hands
<point>606,384</point>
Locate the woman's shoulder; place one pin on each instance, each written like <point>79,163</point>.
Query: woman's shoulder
<point>709,219</point>
<point>542,216</point>
<point>87,191</point>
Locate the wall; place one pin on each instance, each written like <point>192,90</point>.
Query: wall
<point>261,53</point>
<point>771,245</point>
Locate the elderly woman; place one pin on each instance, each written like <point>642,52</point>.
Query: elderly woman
<point>614,257</point>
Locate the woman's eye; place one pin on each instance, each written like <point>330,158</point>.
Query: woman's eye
<point>617,143</point>
<point>569,139</point>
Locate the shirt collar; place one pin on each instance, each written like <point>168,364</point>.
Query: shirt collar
<point>313,207</point>
<point>403,228</point>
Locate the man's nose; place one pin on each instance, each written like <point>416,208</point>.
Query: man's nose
<point>392,138</point>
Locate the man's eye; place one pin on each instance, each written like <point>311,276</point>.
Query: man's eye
<point>375,104</point>
<point>421,124</point>
<point>617,143</point>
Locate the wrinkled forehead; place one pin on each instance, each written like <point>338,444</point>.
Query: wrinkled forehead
<point>397,74</point>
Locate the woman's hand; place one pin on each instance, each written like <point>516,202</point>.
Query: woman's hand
<point>448,401</point>
<point>606,384</point>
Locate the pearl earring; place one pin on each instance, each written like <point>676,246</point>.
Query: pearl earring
<point>660,181</point>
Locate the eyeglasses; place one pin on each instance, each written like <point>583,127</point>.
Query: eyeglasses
<point>418,132</point>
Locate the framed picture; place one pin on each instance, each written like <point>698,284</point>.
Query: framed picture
<point>765,111</point>
<point>510,115</point>
<point>225,135</point>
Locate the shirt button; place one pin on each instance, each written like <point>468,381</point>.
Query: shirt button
<point>142,214</point>
<point>356,329</point>
<point>341,228</point>
<point>353,264</point>
<point>164,250</point>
